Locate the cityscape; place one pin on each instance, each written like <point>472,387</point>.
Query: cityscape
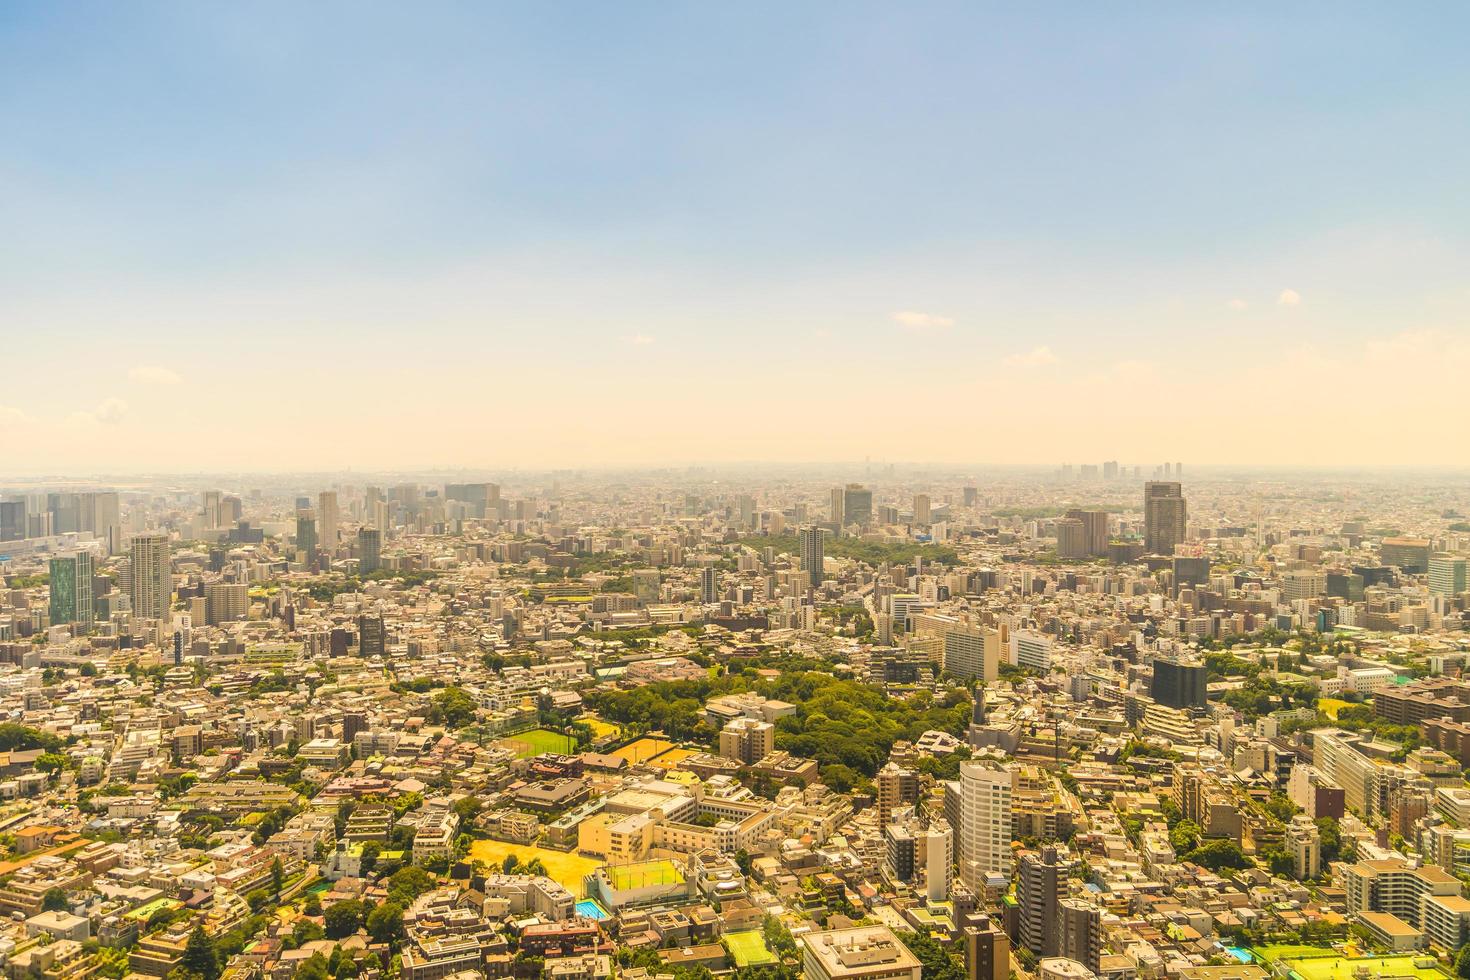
<point>750,491</point>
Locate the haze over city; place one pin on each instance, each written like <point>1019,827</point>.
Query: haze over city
<point>266,237</point>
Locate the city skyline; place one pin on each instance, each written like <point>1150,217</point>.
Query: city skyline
<point>485,239</point>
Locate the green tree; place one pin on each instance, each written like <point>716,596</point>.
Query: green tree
<point>200,955</point>
<point>344,918</point>
<point>385,924</point>
<point>54,900</point>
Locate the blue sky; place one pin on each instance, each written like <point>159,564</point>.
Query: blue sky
<point>612,211</point>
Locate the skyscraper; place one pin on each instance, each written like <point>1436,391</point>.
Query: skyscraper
<point>12,520</point>
<point>1039,890</point>
<point>838,507</point>
<point>812,561</point>
<point>369,550</point>
<point>1178,684</point>
<point>984,823</point>
<point>328,521</point>
<point>1094,529</point>
<point>152,577</point>
<point>857,504</point>
<point>1081,933</point>
<point>306,536</point>
<point>921,508</point>
<point>71,590</point>
<point>897,787</point>
<point>709,584</point>
<point>1164,516</point>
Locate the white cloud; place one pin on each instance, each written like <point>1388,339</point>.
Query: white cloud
<point>109,412</point>
<point>1289,297</point>
<point>1035,357</point>
<point>12,416</point>
<point>1236,304</point>
<point>638,340</point>
<point>153,374</point>
<point>922,322</point>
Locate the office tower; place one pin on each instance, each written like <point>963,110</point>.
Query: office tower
<point>709,585</point>
<point>901,852</point>
<point>897,787</point>
<point>747,511</point>
<point>372,636</point>
<point>921,508</point>
<point>747,740</point>
<point>646,584</point>
<point>972,496</point>
<point>225,602</point>
<point>1178,684</point>
<point>1071,538</point>
<point>71,590</point>
<point>12,520</point>
<point>1094,530</point>
<point>1081,933</point>
<point>987,949</point>
<point>1040,887</point>
<point>812,561</point>
<point>66,512</point>
<point>306,537</point>
<point>984,825</point>
<point>836,507</point>
<point>102,517</point>
<point>329,521</point>
<point>857,504</point>
<point>1164,516</point>
<point>214,514</point>
<point>1110,470</point>
<point>1191,572</point>
<point>369,550</point>
<point>152,586</point>
<point>1447,574</point>
<point>887,515</point>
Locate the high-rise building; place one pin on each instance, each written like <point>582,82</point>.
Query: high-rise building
<point>71,590</point>
<point>971,496</point>
<point>1178,684</point>
<point>1071,538</point>
<point>938,842</point>
<point>857,504</point>
<point>1081,933</point>
<point>372,636</point>
<point>1409,554</point>
<point>811,554</point>
<point>214,515</point>
<point>1164,516</point>
<point>369,550</point>
<point>1094,529</point>
<point>226,602</point>
<point>329,521</point>
<point>306,536</point>
<point>837,507</point>
<point>1040,888</point>
<point>897,787</point>
<point>1447,574</point>
<point>984,824</point>
<point>972,652</point>
<point>152,585</point>
<point>12,520</point>
<point>709,585</point>
<point>859,953</point>
<point>921,508</point>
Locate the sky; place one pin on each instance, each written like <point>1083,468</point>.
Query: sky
<point>328,235</point>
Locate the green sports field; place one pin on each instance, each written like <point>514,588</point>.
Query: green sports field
<point>749,948</point>
<point>644,874</point>
<point>538,741</point>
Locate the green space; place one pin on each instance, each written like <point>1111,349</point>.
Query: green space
<point>748,948</point>
<point>646,874</point>
<point>1309,963</point>
<point>538,741</point>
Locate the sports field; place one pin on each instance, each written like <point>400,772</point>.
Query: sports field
<point>645,874</point>
<point>538,741</point>
<point>1331,706</point>
<point>749,948</point>
<point>600,728</point>
<point>642,750</point>
<point>671,758</point>
<point>566,869</point>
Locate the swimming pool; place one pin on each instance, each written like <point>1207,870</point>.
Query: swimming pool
<point>591,909</point>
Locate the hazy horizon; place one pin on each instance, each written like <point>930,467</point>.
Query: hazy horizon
<point>256,238</point>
